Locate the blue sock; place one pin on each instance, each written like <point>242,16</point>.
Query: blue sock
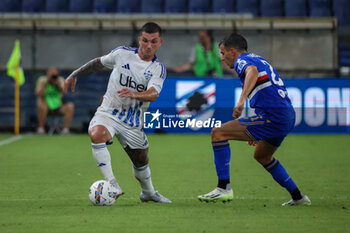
<point>280,175</point>
<point>222,156</point>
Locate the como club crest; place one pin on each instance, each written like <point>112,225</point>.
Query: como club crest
<point>195,100</point>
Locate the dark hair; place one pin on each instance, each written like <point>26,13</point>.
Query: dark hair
<point>151,27</point>
<point>236,41</point>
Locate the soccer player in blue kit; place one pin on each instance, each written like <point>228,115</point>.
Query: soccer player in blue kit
<point>274,119</point>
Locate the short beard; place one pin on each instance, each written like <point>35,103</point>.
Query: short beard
<point>145,56</point>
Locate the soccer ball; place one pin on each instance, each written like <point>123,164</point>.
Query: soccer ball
<point>102,193</point>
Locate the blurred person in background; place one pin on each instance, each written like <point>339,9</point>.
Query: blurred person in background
<point>49,92</point>
<point>205,58</point>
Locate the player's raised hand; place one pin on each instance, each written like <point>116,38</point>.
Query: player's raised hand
<point>126,93</point>
<point>71,80</point>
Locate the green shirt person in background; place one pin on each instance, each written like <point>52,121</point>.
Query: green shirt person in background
<point>49,92</point>
<point>205,58</point>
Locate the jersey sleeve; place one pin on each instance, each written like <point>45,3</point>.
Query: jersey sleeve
<point>110,60</point>
<point>158,78</point>
<point>241,64</point>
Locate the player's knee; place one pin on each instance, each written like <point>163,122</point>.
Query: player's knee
<point>94,136</point>
<point>216,135</point>
<point>98,136</point>
<point>262,158</point>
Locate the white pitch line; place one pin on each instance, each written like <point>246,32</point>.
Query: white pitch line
<point>10,140</point>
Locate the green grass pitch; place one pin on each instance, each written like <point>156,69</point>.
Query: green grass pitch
<point>44,184</point>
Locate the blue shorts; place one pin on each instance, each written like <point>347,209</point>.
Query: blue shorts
<point>261,128</point>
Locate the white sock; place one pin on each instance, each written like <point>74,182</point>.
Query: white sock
<point>143,175</point>
<point>103,160</point>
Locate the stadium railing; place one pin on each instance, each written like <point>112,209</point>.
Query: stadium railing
<point>169,21</point>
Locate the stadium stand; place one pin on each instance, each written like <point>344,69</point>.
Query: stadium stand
<point>223,6</point>
<point>179,6</point>
<point>271,8</point>
<point>104,6</point>
<point>128,6</point>
<point>10,6</point>
<point>341,9</point>
<point>33,6</point>
<point>80,6</point>
<point>264,8</point>
<point>320,8</point>
<point>199,6</point>
<point>58,6</point>
<point>248,6</point>
<point>295,8</point>
<point>344,55</point>
<point>152,6</point>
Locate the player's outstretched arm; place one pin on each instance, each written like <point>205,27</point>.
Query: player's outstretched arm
<point>88,68</point>
<point>149,95</point>
<point>251,76</point>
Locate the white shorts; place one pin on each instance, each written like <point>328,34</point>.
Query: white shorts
<point>133,137</point>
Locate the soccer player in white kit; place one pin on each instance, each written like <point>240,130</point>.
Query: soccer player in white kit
<point>136,80</point>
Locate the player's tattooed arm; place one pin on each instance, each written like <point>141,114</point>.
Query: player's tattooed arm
<point>91,66</point>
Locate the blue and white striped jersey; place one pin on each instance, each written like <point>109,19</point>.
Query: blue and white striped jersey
<point>130,71</point>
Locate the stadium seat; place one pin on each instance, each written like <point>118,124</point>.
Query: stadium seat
<point>248,6</point>
<point>128,6</point>
<point>223,6</point>
<point>80,6</point>
<point>56,6</point>
<point>199,6</point>
<point>295,8</point>
<point>341,9</point>
<point>320,8</point>
<point>179,6</point>
<point>152,6</point>
<point>104,6</point>
<point>271,8</point>
<point>32,6</point>
<point>10,6</point>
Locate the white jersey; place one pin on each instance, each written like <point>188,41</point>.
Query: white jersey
<point>130,71</point>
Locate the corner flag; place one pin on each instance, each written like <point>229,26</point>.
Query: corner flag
<point>14,63</point>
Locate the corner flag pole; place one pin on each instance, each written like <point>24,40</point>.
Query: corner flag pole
<point>17,106</point>
<point>15,71</point>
